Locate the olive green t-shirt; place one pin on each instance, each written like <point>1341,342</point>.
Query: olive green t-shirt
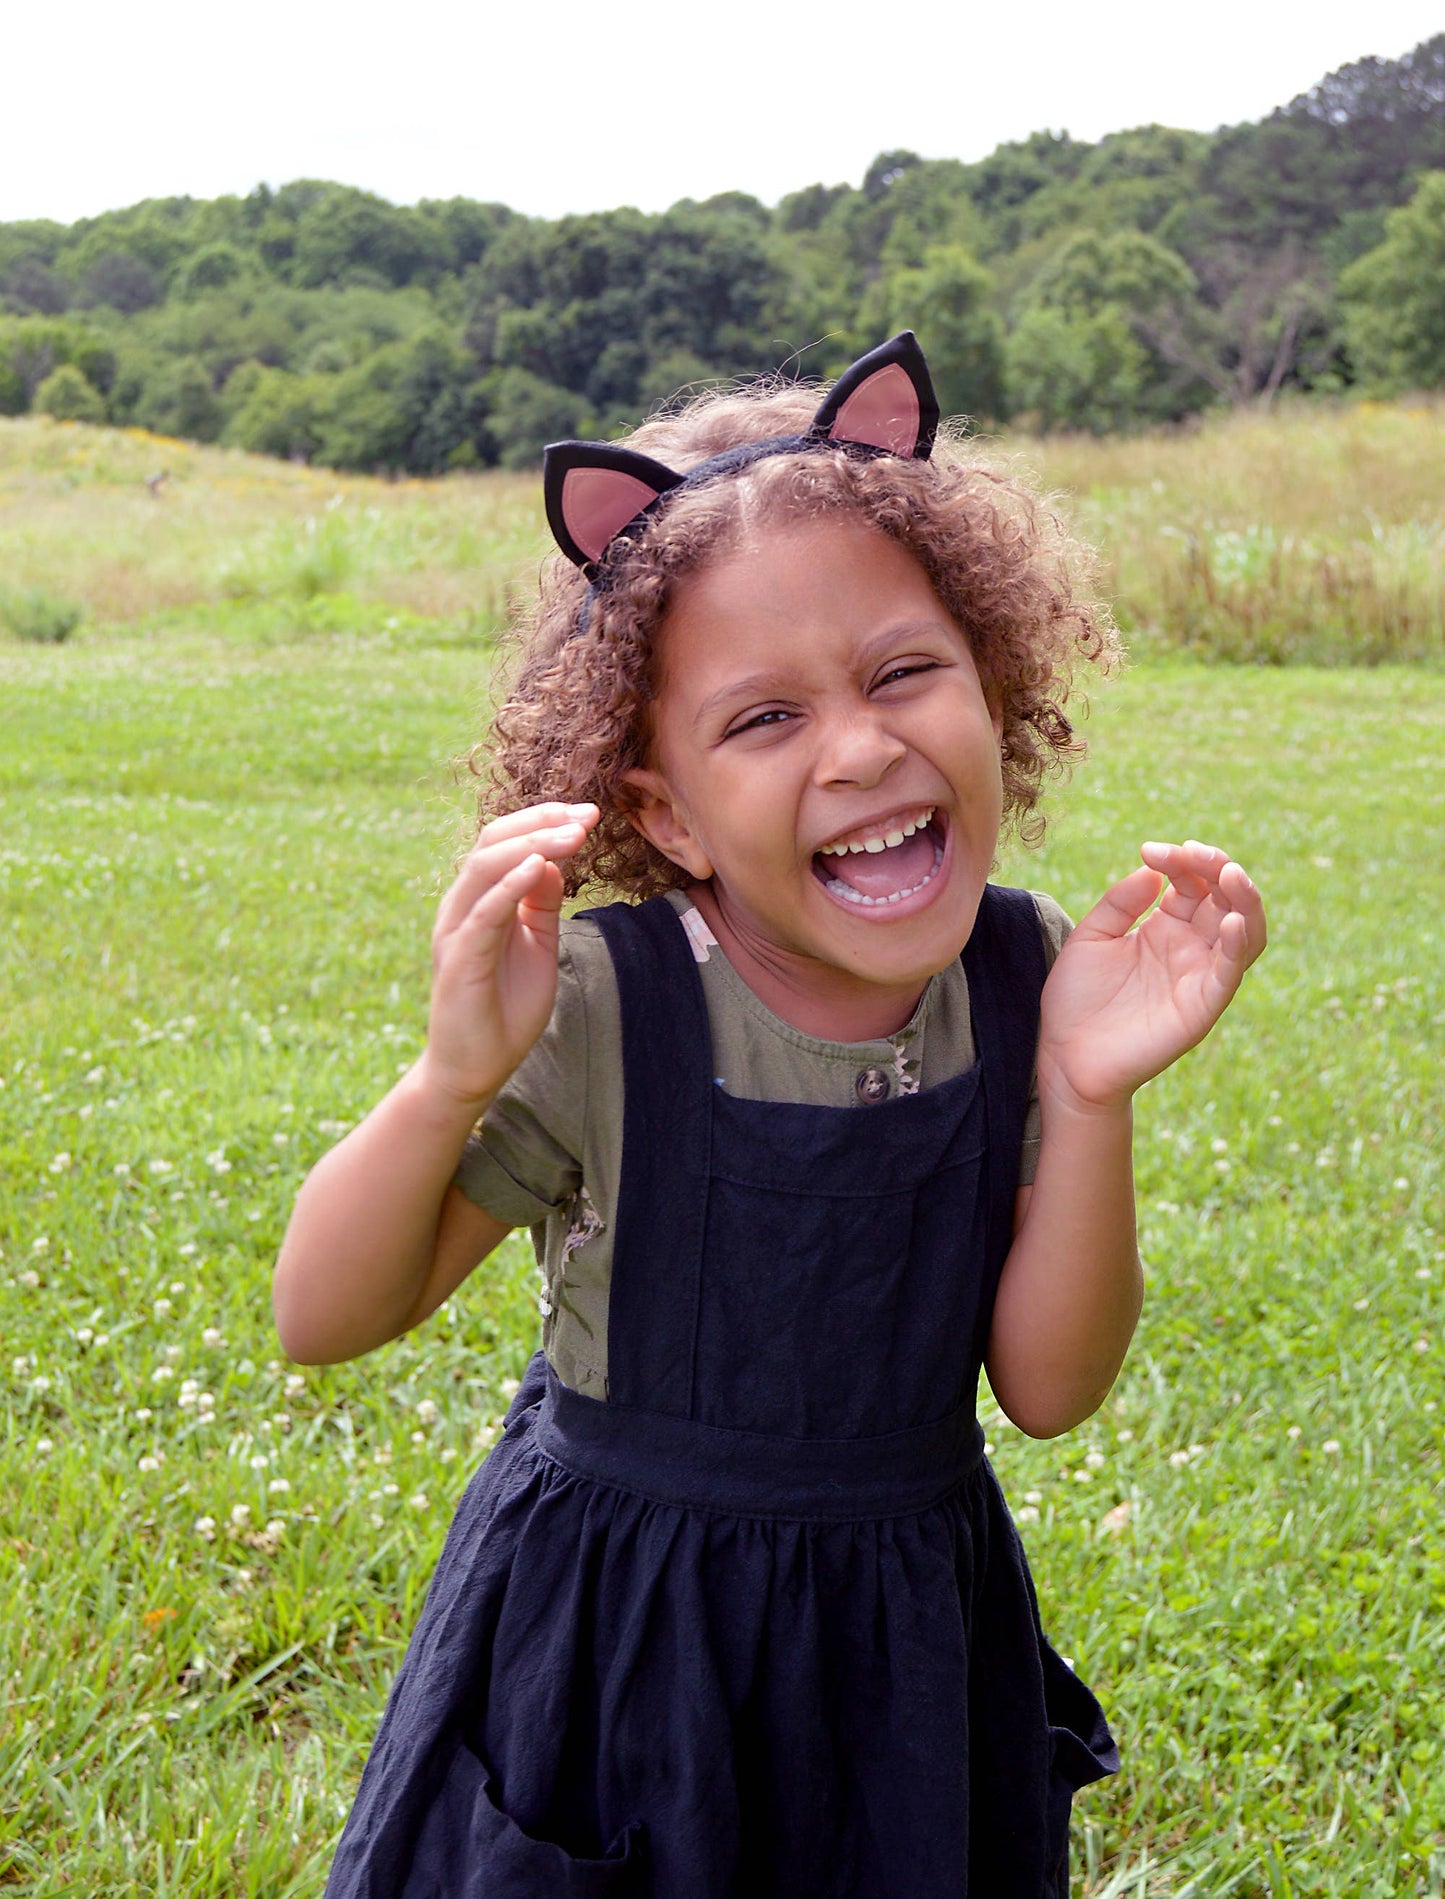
<point>548,1152</point>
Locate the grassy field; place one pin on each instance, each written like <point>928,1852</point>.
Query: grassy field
<point>1309,534</point>
<point>227,815</point>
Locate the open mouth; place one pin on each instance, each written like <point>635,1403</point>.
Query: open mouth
<point>875,871</point>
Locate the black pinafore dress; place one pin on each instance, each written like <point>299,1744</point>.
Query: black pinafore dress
<point>759,1626</point>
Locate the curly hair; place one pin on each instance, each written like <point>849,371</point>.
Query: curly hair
<point>578,715</point>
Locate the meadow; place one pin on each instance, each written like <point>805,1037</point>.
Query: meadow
<point>228,811</point>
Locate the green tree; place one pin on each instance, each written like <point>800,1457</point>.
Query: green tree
<point>524,413</point>
<point>1394,296</point>
<point>123,282</point>
<point>1070,369</point>
<point>178,398</point>
<point>949,299</point>
<point>276,413</point>
<point>67,396</point>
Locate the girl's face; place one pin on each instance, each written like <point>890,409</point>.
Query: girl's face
<point>826,767</point>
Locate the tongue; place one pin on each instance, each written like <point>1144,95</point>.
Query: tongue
<point>884,873</point>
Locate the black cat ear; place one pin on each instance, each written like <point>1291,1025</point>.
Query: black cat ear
<point>885,400</point>
<point>593,490</point>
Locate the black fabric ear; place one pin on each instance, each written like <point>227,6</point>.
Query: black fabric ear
<point>885,400</point>
<point>593,490</point>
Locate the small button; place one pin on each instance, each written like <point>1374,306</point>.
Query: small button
<point>871,1085</point>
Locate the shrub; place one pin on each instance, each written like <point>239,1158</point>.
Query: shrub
<point>34,615</point>
<point>69,395</point>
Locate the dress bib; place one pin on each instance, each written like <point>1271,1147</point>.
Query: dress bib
<point>759,1626</point>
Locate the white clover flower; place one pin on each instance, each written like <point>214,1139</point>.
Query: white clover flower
<point>418,1437</point>
<point>161,1167</point>
<point>30,1278</point>
<point>1033,1496</point>
<point>1083,1476</point>
<point>120,1170</point>
<point>1330,1446</point>
<point>260,1461</point>
<point>277,1485</point>
<point>1178,1459</point>
<point>162,1373</point>
<point>160,1307</point>
<point>83,1335</point>
<point>1218,1146</point>
<point>1095,1460</point>
<point>419,1501</point>
<point>295,1385</point>
<point>205,1528</point>
<point>61,1164</point>
<point>1028,1514</point>
<point>509,1388</point>
<point>390,1490</point>
<point>212,1336</point>
<point>276,1529</point>
<point>240,1514</point>
<point>149,1463</point>
<point>449,1453</point>
<point>1293,1432</point>
<point>426,1411</point>
<point>20,1365</point>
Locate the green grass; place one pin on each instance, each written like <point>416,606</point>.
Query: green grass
<point>218,869</point>
<point>226,820</point>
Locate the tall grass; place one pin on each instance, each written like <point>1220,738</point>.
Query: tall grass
<point>1308,534</point>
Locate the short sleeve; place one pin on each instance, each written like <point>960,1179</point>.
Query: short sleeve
<point>523,1160</point>
<point>1055,923</point>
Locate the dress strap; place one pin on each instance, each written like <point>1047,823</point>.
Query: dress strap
<point>666,1140</point>
<point>1006,967</point>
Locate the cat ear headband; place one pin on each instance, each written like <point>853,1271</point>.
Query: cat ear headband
<point>596,492</point>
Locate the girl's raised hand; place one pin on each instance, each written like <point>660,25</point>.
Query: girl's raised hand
<point>494,949</point>
<point>1123,1002</point>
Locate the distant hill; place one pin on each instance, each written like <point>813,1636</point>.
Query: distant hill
<point>1056,282</point>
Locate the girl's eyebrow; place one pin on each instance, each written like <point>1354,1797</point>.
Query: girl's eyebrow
<point>759,685</point>
<point>769,685</point>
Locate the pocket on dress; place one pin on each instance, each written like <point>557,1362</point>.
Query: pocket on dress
<point>1082,1750</point>
<point>468,1847</point>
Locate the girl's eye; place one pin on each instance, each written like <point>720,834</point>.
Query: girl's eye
<point>773,716</point>
<point>906,672</point>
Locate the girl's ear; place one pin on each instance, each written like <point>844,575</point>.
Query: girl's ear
<point>657,815</point>
<point>885,400</point>
<point>593,490</point>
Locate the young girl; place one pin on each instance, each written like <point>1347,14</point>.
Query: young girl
<point>804,1138</point>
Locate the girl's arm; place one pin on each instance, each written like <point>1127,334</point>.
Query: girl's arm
<point>379,1235</point>
<point>1120,1005</point>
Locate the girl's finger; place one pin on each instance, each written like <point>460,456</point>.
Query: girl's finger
<point>535,817</point>
<point>488,863</point>
<point>482,931</point>
<point>1122,905</point>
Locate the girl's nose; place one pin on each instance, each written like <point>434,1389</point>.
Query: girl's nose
<point>857,748</point>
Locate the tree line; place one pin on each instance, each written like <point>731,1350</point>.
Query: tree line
<point>1055,283</point>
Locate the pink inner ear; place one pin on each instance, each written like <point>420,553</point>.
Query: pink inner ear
<point>884,412</point>
<point>596,502</point>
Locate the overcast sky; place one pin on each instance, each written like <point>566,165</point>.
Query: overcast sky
<point>553,106</point>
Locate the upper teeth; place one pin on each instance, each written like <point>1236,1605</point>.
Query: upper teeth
<point>882,841</point>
